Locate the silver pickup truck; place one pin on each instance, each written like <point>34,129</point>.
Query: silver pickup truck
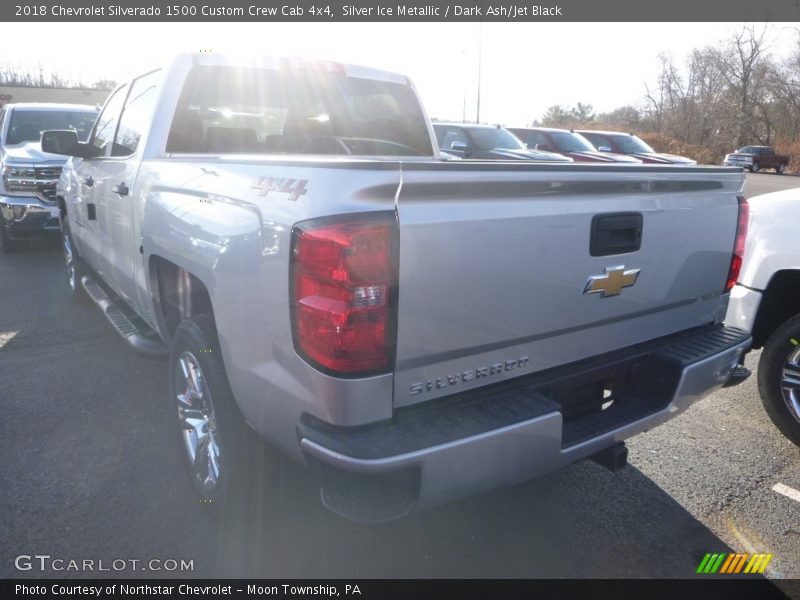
<point>413,330</point>
<point>28,208</point>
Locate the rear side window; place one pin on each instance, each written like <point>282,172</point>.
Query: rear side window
<point>296,111</point>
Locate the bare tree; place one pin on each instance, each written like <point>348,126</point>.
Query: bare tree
<point>742,62</point>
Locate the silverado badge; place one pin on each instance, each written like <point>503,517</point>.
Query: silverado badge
<point>612,282</point>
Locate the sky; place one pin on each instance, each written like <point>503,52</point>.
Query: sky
<point>525,67</point>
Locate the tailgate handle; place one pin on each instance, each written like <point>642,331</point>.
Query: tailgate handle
<point>616,233</point>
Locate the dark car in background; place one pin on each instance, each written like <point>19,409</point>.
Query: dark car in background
<point>487,142</point>
<point>567,143</point>
<point>28,207</point>
<point>627,143</point>
<point>755,158</point>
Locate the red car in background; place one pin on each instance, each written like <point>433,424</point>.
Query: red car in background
<point>567,143</point>
<point>627,143</point>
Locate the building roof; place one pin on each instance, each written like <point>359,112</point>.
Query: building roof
<point>51,106</point>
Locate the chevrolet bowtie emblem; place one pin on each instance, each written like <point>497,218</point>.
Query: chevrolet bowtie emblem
<point>612,282</point>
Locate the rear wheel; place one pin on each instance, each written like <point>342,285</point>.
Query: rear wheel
<point>779,378</point>
<point>219,449</point>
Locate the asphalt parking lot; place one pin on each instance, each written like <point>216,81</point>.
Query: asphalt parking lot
<point>91,470</point>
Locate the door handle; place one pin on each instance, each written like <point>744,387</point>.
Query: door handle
<point>120,189</point>
<point>616,233</point>
<point>88,181</point>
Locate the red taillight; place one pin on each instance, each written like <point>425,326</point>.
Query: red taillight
<point>738,248</point>
<point>343,280</point>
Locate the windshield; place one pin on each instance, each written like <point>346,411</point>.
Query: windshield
<point>490,139</point>
<point>630,144</point>
<point>297,111</point>
<point>28,125</point>
<point>571,142</point>
<point>751,150</point>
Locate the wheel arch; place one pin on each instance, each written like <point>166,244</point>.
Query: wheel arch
<point>177,294</point>
<point>780,301</point>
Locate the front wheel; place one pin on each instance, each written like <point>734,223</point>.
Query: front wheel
<point>781,168</point>
<point>219,449</point>
<point>9,246</point>
<point>75,266</point>
<point>755,168</point>
<point>779,378</point>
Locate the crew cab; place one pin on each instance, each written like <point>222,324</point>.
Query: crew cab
<point>632,145</point>
<point>755,158</point>
<point>28,208</point>
<point>766,301</point>
<point>413,330</point>
<point>487,142</point>
<point>567,143</point>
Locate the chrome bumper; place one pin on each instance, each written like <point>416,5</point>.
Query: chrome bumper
<point>28,216</point>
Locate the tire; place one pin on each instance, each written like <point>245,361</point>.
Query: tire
<point>779,378</point>
<point>219,449</point>
<point>9,246</point>
<point>75,267</point>
<point>755,168</point>
<point>780,168</point>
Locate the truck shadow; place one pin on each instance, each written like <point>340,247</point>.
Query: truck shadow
<point>93,470</point>
<point>579,522</point>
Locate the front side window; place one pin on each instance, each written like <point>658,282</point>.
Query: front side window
<point>136,114</point>
<point>106,125</point>
<point>296,111</point>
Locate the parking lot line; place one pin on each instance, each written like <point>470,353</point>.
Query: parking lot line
<point>6,336</point>
<point>786,491</point>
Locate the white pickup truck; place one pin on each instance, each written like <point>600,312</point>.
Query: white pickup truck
<point>414,330</point>
<point>766,301</point>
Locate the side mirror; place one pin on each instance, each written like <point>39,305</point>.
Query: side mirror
<point>65,141</point>
<point>604,148</point>
<point>459,147</point>
<point>59,141</point>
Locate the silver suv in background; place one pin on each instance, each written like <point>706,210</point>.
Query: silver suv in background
<point>28,207</point>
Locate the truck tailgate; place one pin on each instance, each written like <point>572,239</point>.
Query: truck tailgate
<point>496,265</point>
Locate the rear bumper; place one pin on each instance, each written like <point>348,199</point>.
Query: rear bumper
<point>27,217</point>
<point>429,455</point>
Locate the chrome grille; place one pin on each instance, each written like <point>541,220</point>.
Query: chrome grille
<point>48,172</point>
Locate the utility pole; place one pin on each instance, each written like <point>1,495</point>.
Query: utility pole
<point>480,60</point>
